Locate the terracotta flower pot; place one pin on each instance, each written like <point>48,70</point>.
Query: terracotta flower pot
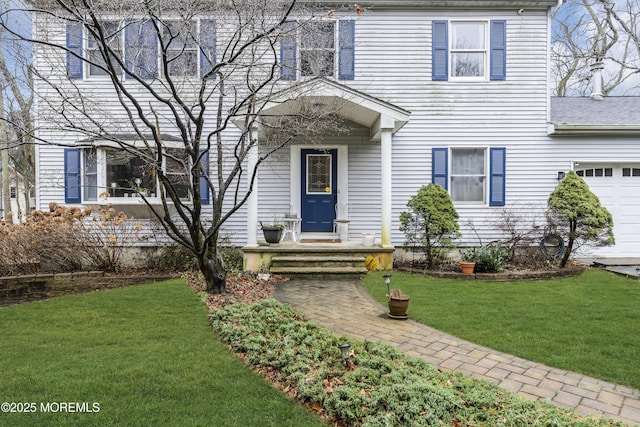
<point>467,267</point>
<point>398,308</point>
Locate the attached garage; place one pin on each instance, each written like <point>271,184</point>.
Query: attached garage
<point>600,136</point>
<point>618,188</point>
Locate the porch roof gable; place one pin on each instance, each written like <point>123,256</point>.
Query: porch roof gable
<point>351,104</point>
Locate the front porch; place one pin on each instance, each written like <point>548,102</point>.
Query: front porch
<point>324,183</point>
<point>313,258</point>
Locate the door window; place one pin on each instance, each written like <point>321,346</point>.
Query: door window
<point>319,174</point>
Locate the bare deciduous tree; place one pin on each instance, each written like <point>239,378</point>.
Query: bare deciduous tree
<point>590,31</point>
<point>181,90</point>
<point>16,124</point>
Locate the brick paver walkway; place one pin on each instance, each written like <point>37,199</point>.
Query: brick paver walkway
<point>345,308</point>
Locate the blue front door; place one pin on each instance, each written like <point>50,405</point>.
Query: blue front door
<point>319,190</point>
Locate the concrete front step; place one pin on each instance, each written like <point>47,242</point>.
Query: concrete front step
<point>310,261</point>
<point>317,270</point>
<point>315,265</point>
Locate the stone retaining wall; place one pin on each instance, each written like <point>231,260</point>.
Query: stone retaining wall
<point>17,289</point>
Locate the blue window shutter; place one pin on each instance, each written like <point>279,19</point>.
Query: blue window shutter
<point>207,46</point>
<point>440,167</point>
<point>346,53</point>
<point>439,50</point>
<point>72,175</point>
<point>141,50</point>
<point>204,174</point>
<point>497,179</point>
<point>74,46</point>
<point>288,60</point>
<point>498,58</point>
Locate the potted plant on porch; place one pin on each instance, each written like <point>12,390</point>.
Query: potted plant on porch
<point>272,232</point>
<point>398,302</point>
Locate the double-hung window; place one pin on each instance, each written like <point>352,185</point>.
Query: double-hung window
<point>190,47</point>
<point>468,175</point>
<point>469,50</point>
<point>317,49</point>
<point>181,43</point>
<point>472,175</point>
<point>97,53</point>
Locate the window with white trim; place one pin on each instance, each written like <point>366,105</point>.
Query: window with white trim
<point>595,172</point>
<point>180,39</point>
<point>96,58</point>
<point>472,50</point>
<point>468,49</point>
<point>468,174</point>
<point>631,172</point>
<point>191,49</point>
<point>122,174</point>
<point>472,175</point>
<point>318,49</point>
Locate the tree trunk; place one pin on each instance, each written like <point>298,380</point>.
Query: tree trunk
<point>4,149</point>
<point>214,272</point>
<point>569,247</point>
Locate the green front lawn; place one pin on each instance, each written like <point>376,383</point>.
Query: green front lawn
<point>145,355</point>
<point>587,324</point>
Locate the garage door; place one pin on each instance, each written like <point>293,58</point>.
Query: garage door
<point>618,188</point>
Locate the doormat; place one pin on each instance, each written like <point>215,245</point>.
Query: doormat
<point>320,241</point>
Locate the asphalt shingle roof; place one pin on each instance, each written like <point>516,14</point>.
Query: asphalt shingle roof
<point>614,110</point>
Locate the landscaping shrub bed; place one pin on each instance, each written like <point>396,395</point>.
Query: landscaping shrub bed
<point>384,387</point>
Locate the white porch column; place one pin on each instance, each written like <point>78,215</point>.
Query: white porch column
<point>252,201</point>
<point>386,138</point>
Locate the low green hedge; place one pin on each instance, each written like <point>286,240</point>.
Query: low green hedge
<point>385,388</point>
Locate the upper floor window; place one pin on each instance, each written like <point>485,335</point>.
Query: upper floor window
<point>95,56</point>
<point>189,47</point>
<point>318,49</point>
<point>181,41</point>
<point>469,50</point>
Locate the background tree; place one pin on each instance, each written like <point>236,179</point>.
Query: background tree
<point>16,124</point>
<point>589,31</point>
<point>431,223</point>
<point>195,102</point>
<point>577,215</point>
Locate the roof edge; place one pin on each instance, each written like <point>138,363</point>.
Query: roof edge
<point>446,4</point>
<point>594,130</point>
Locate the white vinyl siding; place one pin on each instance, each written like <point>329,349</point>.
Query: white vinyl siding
<point>393,62</point>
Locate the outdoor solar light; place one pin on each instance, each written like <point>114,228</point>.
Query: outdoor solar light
<point>387,280</point>
<point>345,350</point>
<point>138,181</point>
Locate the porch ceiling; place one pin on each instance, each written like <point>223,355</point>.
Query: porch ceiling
<point>348,103</point>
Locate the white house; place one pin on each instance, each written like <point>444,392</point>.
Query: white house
<point>453,92</point>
